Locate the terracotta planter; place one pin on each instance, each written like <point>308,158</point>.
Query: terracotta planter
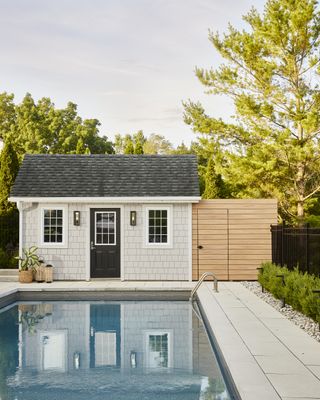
<point>25,276</point>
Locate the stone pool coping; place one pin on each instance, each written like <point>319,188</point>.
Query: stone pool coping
<point>268,356</point>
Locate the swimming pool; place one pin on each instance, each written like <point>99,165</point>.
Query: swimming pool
<point>107,350</point>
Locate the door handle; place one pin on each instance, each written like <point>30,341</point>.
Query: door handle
<point>200,247</point>
<point>92,246</point>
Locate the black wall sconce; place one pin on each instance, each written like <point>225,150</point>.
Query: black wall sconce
<point>76,218</point>
<point>133,218</point>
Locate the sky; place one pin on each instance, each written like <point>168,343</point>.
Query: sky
<point>128,63</point>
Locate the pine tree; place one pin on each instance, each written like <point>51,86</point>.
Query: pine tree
<point>182,149</point>
<point>270,72</point>
<point>9,166</point>
<point>118,144</point>
<point>214,185</point>
<point>139,141</point>
<point>128,145</point>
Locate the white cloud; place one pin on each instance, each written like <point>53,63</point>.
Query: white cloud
<point>129,63</point>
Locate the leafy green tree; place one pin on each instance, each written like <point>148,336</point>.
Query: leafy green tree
<point>139,141</point>
<point>9,166</point>
<point>271,73</point>
<point>157,144</point>
<point>128,145</point>
<point>42,128</point>
<point>182,149</point>
<point>7,114</point>
<point>80,149</point>
<point>118,144</point>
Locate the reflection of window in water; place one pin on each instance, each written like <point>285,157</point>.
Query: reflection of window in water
<point>158,350</point>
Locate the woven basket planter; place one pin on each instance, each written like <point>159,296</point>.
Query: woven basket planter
<point>25,276</point>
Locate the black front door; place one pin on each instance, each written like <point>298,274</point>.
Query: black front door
<point>105,242</point>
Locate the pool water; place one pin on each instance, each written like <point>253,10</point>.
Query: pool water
<point>106,350</point>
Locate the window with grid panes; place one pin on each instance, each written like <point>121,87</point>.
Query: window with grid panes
<point>158,226</point>
<point>52,226</point>
<point>105,228</point>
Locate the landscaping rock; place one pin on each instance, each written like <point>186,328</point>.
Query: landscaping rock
<point>305,323</point>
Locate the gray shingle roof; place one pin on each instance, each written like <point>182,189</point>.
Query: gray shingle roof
<point>97,175</point>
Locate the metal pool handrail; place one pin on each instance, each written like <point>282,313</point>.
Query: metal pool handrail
<point>203,277</point>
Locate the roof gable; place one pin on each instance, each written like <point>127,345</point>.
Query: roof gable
<point>99,175</point>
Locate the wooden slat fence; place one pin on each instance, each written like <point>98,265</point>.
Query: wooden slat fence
<point>231,237</point>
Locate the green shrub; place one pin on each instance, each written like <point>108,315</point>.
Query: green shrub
<point>297,290</point>
<point>7,260</point>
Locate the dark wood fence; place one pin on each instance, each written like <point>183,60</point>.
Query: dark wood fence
<point>296,247</point>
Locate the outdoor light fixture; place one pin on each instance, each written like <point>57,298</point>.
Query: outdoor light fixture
<point>133,218</point>
<point>76,218</point>
<point>133,359</point>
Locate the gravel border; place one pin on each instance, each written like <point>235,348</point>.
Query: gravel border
<point>305,323</point>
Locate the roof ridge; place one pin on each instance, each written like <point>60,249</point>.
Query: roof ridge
<point>108,155</point>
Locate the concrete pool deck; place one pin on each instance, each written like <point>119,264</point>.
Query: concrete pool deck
<point>268,356</point>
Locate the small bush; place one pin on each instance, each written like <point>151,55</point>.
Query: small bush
<point>297,290</point>
<point>7,260</point>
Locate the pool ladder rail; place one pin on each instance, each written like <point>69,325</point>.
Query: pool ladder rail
<point>203,277</point>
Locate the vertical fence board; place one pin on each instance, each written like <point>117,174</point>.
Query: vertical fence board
<point>234,235</point>
<point>296,247</point>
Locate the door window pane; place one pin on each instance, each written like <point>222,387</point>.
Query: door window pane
<point>105,228</point>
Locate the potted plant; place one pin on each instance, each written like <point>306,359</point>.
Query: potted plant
<point>27,264</point>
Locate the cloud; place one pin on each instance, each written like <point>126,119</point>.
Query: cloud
<point>129,62</point>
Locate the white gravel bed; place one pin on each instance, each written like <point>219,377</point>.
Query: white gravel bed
<point>305,323</point>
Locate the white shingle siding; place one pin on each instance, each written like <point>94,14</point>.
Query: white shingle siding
<point>138,261</point>
<point>143,317</point>
<point>136,320</point>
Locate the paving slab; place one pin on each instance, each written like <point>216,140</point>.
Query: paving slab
<point>315,369</point>
<point>261,346</point>
<point>285,363</point>
<point>293,385</point>
<point>301,398</point>
<point>249,378</point>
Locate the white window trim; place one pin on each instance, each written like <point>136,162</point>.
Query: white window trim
<point>170,223</point>
<point>64,243</point>
<point>147,334</point>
